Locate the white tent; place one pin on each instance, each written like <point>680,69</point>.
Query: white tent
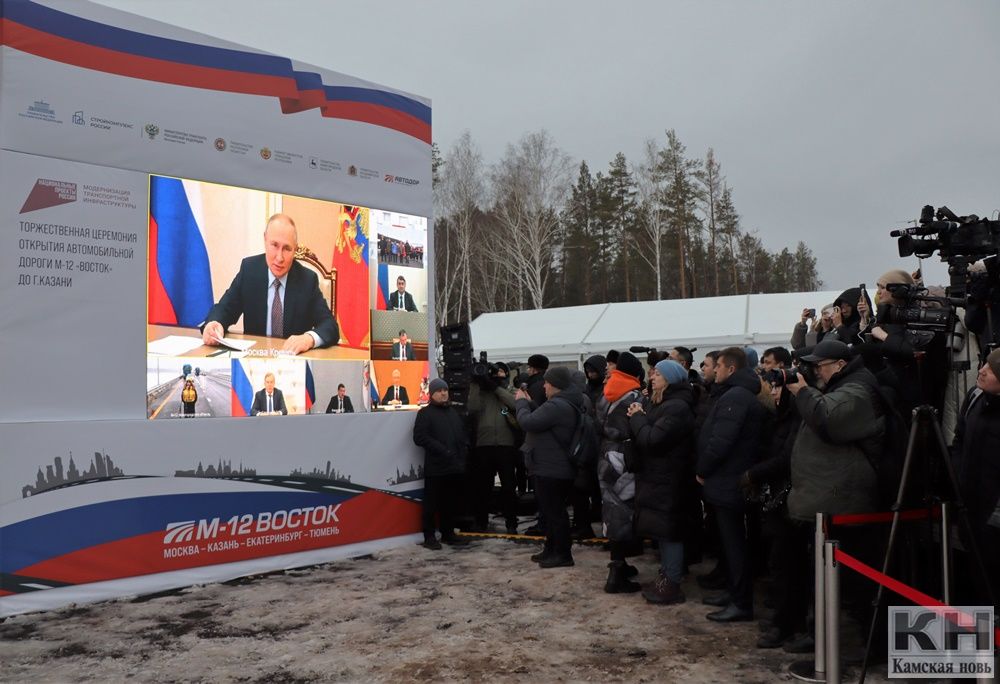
<point>573,333</point>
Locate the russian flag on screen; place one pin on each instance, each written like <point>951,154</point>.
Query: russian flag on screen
<point>383,287</point>
<point>180,280</point>
<point>242,390</point>
<point>310,387</point>
<point>368,378</point>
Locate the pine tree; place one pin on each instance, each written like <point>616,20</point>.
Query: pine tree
<point>681,200</point>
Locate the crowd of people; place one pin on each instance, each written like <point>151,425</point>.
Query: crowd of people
<point>734,461</point>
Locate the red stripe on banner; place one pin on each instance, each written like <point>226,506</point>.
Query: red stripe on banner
<point>161,309</point>
<point>4,592</point>
<point>907,592</point>
<point>56,48</point>
<point>863,518</point>
<point>238,411</point>
<point>372,515</point>
<point>59,49</point>
<point>380,116</point>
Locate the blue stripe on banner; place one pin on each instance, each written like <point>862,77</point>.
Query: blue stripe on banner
<point>383,282</point>
<point>380,97</point>
<point>310,383</point>
<point>307,80</point>
<point>181,256</point>
<point>90,32</point>
<point>242,386</point>
<point>49,536</point>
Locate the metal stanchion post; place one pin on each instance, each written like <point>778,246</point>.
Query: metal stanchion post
<point>815,670</point>
<point>832,613</point>
<point>946,551</point>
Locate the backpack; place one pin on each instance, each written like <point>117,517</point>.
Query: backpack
<point>583,447</point>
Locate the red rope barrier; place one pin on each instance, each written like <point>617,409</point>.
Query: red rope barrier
<point>864,518</point>
<point>894,585</point>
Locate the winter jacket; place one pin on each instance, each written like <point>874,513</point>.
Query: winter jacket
<point>549,430</point>
<point>831,472</point>
<point>731,438</point>
<point>536,388</point>
<point>595,388</point>
<point>850,327</point>
<point>803,336</point>
<point>664,439</point>
<point>489,408</point>
<point>617,485</point>
<point>976,452</point>
<point>440,431</point>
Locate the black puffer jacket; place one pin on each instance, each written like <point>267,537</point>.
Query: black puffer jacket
<point>549,430</point>
<point>440,431</point>
<point>730,439</point>
<point>775,469</point>
<point>595,388</point>
<point>664,440</point>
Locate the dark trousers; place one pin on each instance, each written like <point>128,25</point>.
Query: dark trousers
<point>733,540</point>
<point>440,495</point>
<point>789,570</point>
<point>552,495</point>
<point>490,460</point>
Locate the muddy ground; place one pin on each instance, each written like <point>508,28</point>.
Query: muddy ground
<point>478,613</point>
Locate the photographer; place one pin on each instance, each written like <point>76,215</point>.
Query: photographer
<point>802,336</point>
<point>491,406</point>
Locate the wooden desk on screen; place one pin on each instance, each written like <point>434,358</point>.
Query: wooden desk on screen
<point>263,344</point>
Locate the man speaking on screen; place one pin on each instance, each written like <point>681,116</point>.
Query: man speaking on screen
<point>276,295</point>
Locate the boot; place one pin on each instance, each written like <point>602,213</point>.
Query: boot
<point>618,581</point>
<point>545,553</point>
<point>630,570</point>
<point>663,592</point>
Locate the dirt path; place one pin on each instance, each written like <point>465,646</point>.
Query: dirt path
<point>479,613</point>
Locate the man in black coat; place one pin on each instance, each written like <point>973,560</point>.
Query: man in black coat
<point>340,402</point>
<point>276,296</point>
<point>596,368</point>
<point>440,431</point>
<point>976,452</point>
<point>537,365</point>
<point>269,400</point>
<point>728,445</point>
<point>403,349</point>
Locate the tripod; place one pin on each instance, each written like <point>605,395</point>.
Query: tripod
<point>927,415</point>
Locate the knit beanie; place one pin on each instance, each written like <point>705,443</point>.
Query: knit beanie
<point>559,377</point>
<point>896,276</point>
<point>673,372</point>
<point>538,361</point>
<point>993,361</point>
<point>437,384</point>
<point>627,363</point>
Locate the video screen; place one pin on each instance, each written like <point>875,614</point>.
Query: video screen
<point>266,304</point>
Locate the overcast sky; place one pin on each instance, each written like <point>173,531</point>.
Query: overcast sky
<point>835,122</point>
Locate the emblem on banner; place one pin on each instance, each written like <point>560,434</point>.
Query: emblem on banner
<point>78,118</point>
<point>220,144</point>
<point>352,170</point>
<point>152,130</point>
<point>265,153</point>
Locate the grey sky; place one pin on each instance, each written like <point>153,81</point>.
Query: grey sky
<point>834,122</point>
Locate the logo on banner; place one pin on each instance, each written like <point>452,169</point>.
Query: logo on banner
<point>950,642</point>
<point>179,532</point>
<point>40,110</point>
<point>78,118</point>
<point>389,178</point>
<point>352,170</point>
<point>152,130</point>
<point>49,193</point>
<point>220,144</point>
<point>313,163</point>
<point>265,153</point>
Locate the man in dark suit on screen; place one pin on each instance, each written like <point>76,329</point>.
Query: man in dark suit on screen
<point>340,402</point>
<point>401,300</point>
<point>402,350</point>
<point>276,295</point>
<point>396,394</point>
<point>269,400</point>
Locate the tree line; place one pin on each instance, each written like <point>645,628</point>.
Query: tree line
<point>534,230</point>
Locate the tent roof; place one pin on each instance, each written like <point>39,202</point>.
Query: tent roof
<point>575,332</point>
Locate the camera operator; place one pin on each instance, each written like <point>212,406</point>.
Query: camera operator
<point>983,307</point>
<point>976,452</point>
<point>491,406</point>
<point>843,427</point>
<point>897,346</point>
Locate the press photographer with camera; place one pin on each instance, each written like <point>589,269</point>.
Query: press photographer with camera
<point>491,407</point>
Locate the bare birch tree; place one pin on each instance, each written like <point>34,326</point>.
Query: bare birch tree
<point>650,188</point>
<point>530,187</point>
<point>463,194</point>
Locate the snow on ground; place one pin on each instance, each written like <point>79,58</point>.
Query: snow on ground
<point>478,613</point>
